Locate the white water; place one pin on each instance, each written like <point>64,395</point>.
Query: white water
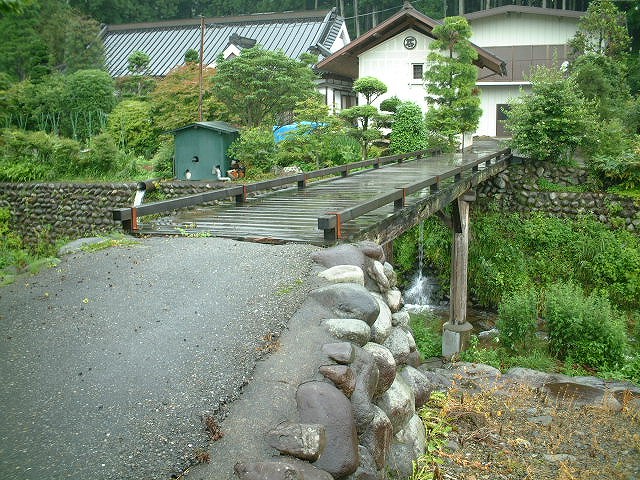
<point>420,295</point>
<point>137,201</point>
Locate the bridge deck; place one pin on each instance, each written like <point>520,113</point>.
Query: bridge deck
<point>291,215</point>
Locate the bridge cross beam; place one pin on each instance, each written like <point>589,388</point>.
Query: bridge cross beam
<point>456,333</point>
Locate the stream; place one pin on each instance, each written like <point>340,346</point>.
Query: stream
<point>425,295</point>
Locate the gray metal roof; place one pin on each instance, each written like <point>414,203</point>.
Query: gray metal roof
<point>166,42</point>
<point>222,127</point>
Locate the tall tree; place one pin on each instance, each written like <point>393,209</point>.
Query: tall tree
<point>262,87</point>
<point>175,98</point>
<point>450,81</point>
<point>551,121</point>
<point>602,30</point>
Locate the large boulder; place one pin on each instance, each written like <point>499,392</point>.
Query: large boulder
<point>371,250</point>
<point>386,366</point>
<point>304,441</point>
<point>375,269</point>
<point>381,328</point>
<point>274,470</point>
<point>398,344</point>
<point>322,403</point>
<point>366,370</point>
<point>340,352</point>
<point>406,446</point>
<point>285,468</point>
<point>377,437</point>
<point>342,377</point>
<point>398,403</point>
<point>366,469</point>
<point>348,300</point>
<point>343,274</point>
<point>343,254</point>
<point>420,385</point>
<point>349,329</point>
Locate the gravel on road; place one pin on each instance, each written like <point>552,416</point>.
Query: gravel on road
<point>111,360</point>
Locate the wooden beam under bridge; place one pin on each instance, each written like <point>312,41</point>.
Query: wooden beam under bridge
<point>404,219</point>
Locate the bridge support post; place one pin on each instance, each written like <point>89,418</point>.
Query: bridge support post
<point>457,331</point>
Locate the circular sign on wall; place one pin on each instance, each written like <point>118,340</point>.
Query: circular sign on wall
<point>410,43</point>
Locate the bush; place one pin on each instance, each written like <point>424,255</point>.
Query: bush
<point>518,319</point>
<point>584,329</point>
<point>163,159</point>
<point>102,155</point>
<point>33,156</point>
<point>130,125</point>
<point>426,332</point>
<point>409,132</point>
<point>255,149</point>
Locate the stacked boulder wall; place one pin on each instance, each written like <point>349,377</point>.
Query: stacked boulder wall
<point>356,419</point>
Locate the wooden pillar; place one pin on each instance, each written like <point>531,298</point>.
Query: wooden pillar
<point>387,248</point>
<point>457,331</point>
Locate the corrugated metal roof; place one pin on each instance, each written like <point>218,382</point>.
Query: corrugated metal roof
<point>166,42</point>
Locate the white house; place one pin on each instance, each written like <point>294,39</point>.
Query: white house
<point>523,37</point>
<point>509,40</point>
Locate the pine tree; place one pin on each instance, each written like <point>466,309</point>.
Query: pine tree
<point>450,81</point>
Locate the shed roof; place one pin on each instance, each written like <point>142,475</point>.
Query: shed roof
<point>344,62</point>
<point>222,127</point>
<point>166,42</point>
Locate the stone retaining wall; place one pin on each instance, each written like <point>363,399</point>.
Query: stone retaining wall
<point>71,210</point>
<point>356,419</point>
<point>517,189</point>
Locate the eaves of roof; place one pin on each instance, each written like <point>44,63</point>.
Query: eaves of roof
<point>344,62</point>
<point>222,127</point>
<point>508,9</point>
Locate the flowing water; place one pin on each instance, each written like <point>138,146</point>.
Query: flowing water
<point>425,295</point>
<point>138,198</point>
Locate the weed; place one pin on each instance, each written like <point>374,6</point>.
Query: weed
<point>290,288</point>
<point>202,456</point>
<point>118,240</point>
<point>212,428</point>
<point>185,233</point>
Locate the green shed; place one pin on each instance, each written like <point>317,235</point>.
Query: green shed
<point>200,147</point>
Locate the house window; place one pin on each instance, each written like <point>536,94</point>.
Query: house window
<point>418,71</point>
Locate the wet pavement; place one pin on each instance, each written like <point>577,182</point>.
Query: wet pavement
<point>111,360</point>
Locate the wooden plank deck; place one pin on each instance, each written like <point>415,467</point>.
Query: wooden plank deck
<point>291,215</point>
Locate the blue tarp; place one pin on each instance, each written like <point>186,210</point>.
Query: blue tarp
<point>280,133</point>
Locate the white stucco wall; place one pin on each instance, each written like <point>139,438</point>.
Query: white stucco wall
<point>522,29</point>
<point>392,63</point>
<point>491,96</point>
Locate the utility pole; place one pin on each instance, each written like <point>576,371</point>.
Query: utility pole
<point>201,67</point>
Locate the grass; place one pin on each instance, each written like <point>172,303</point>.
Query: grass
<point>545,185</point>
<point>426,331</point>
<point>493,434</point>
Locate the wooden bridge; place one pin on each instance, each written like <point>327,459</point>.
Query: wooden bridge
<point>379,200</point>
<point>376,199</point>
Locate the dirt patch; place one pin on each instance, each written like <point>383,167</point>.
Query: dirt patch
<point>521,433</point>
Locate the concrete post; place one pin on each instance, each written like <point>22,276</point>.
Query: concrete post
<point>457,331</point>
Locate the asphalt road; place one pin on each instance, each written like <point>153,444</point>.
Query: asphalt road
<point>110,361</point>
